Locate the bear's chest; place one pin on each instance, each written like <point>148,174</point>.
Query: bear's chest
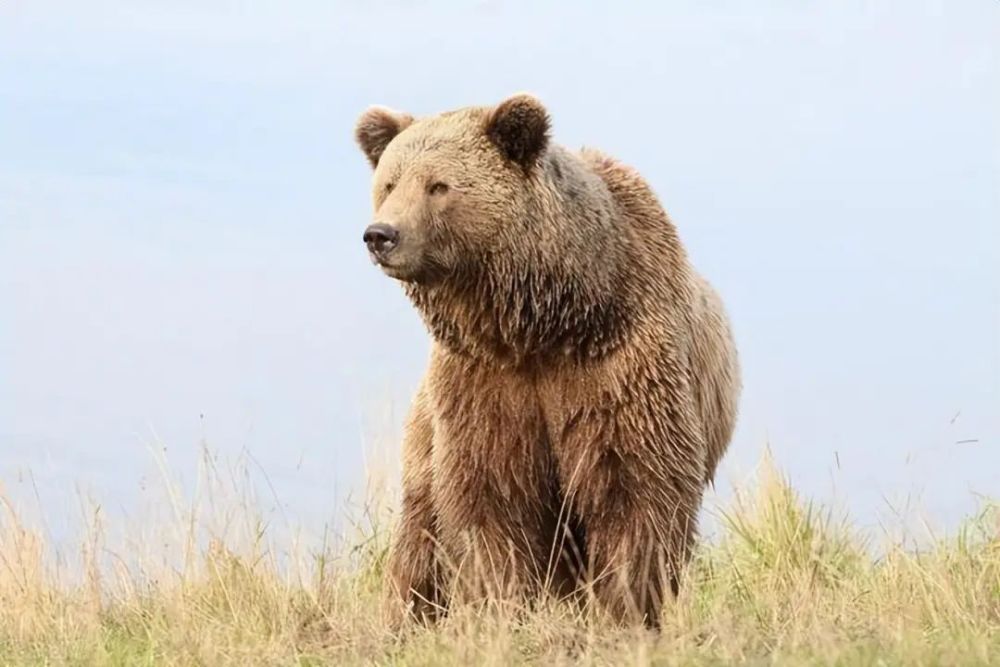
<point>487,412</point>
<point>491,448</point>
<point>498,417</point>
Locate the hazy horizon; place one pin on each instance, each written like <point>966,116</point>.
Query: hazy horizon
<point>181,207</point>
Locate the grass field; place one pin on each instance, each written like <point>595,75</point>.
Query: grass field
<point>205,583</point>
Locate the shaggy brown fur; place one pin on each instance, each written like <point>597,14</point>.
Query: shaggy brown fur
<point>582,384</point>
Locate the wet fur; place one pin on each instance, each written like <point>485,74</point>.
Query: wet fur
<point>581,390</point>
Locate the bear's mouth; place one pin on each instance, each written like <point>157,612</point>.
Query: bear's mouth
<point>419,272</point>
<point>382,261</point>
<point>397,271</point>
<point>391,271</point>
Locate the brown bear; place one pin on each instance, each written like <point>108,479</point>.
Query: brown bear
<point>582,383</point>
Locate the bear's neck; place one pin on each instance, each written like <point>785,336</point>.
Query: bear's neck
<point>516,317</point>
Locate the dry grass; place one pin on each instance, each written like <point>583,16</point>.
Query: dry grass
<point>204,583</point>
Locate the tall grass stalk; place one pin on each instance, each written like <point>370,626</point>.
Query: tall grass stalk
<point>203,579</point>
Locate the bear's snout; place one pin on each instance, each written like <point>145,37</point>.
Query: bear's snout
<point>381,239</point>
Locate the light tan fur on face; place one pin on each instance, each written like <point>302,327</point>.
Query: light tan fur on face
<point>583,381</point>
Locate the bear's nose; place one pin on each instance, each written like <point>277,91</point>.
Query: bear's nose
<point>381,238</point>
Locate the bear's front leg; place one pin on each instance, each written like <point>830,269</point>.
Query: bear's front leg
<point>497,516</point>
<point>638,541</point>
<point>413,576</point>
<point>636,485</point>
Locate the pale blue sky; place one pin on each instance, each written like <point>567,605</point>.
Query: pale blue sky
<point>181,207</point>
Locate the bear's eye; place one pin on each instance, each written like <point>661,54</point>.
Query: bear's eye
<point>389,186</point>
<point>438,188</point>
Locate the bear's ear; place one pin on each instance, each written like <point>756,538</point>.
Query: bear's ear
<point>376,128</point>
<point>519,127</point>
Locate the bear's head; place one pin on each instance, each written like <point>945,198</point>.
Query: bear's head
<point>450,189</point>
<point>508,245</point>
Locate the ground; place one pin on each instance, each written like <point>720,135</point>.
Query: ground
<point>782,582</point>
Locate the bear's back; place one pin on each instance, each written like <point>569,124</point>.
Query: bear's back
<point>656,236</point>
<point>694,304</point>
